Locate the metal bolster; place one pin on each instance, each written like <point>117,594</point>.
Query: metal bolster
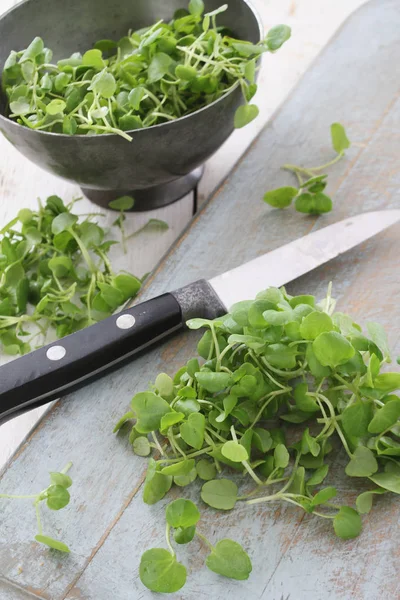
<point>198,299</point>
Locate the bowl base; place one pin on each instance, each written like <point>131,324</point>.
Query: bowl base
<point>149,198</point>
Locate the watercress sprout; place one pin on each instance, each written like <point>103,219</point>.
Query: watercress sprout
<point>308,196</point>
<point>160,570</point>
<point>56,496</point>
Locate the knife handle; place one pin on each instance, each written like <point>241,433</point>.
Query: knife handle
<point>70,363</point>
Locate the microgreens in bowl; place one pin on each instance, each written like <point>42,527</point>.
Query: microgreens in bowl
<point>151,76</point>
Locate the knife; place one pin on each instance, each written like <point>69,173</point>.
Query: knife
<point>70,363</point>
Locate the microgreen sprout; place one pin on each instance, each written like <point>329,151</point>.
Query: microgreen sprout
<point>151,76</point>
<point>278,384</point>
<point>160,570</point>
<point>56,496</point>
<point>308,196</point>
<point>55,272</point>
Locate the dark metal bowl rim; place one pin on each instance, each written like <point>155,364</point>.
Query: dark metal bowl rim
<point>131,131</point>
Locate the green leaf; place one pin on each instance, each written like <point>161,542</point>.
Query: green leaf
<point>159,67</point>
<point>170,419</point>
<point>61,81</point>
<point>248,49</point>
<point>303,402</point>
<point>60,266</point>
<point>388,481</point>
<point>62,222</point>
<point>362,464</point>
<point>51,543</point>
<point>309,444</point>
<point>156,484</point>
<point>379,337</point>
<point>385,417</point>
<point>141,446</point>
<point>184,467</point>
<point>184,535</point>
<point>245,114</point>
<point>313,204</point>
<point>229,559</point>
<point>281,456</point>
<point>356,418</point>
<point>57,497</point>
<point>104,84</point>
<point>364,500</point>
<point>281,197</point>
<point>182,513</point>
<point>277,36</point>
<point>206,470</point>
<point>35,48</point>
<point>262,439</point>
<point>135,97</point>
<point>164,385</point>
<point>60,479</point>
<point>183,480</point>
<point>314,324</point>
<point>318,476</point>
<point>130,123</point>
<point>250,70</point>
<point>387,382</point>
<point>220,493</point>
<point>149,410</point>
<point>123,203</point>
<point>160,571</point>
<point>111,295</point>
<point>196,7</point>
<point>187,406</point>
<point>127,284</point>
<point>324,496</point>
<point>213,382</point>
<point>13,274</point>
<point>316,368</point>
<point>234,451</point>
<point>340,142</point>
<point>347,523</point>
<point>56,107</point>
<point>332,349</point>
<point>192,431</point>
<point>93,58</point>
<point>21,106</point>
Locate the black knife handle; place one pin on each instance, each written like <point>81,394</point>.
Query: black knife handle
<point>42,375</point>
<point>70,363</point>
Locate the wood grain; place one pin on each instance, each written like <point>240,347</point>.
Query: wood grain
<point>107,525</point>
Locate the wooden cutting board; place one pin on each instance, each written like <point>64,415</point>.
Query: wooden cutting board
<point>107,526</point>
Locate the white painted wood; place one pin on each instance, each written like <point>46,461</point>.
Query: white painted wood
<point>313,23</point>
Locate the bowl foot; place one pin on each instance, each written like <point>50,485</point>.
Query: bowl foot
<point>152,197</point>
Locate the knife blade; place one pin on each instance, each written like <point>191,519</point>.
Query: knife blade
<point>68,364</point>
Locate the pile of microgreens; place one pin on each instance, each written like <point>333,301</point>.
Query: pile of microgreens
<point>55,272</point>
<point>161,572</point>
<point>151,76</point>
<point>56,496</point>
<point>283,381</point>
<point>309,197</point>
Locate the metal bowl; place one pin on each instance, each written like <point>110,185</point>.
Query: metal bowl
<point>163,162</point>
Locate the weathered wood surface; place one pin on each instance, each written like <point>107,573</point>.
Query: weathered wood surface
<point>21,182</point>
<point>107,525</point>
